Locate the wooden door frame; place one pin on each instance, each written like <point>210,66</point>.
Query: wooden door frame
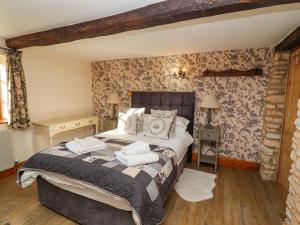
<point>293,53</point>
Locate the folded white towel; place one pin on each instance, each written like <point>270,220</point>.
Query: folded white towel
<point>74,147</point>
<point>88,141</point>
<point>134,160</point>
<point>136,148</point>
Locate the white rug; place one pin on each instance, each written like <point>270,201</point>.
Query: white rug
<point>195,186</point>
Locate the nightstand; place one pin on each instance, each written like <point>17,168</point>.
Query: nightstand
<point>109,124</point>
<point>208,135</point>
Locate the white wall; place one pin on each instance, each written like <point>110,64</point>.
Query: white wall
<point>57,86</point>
<point>2,42</point>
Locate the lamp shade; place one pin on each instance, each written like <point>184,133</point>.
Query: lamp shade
<point>114,98</point>
<point>210,102</point>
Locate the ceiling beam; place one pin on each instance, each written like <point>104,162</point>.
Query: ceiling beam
<point>166,12</point>
<point>291,42</point>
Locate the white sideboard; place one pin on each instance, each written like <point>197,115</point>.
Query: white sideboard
<point>45,130</point>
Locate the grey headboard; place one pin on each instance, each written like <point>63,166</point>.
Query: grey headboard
<point>184,102</point>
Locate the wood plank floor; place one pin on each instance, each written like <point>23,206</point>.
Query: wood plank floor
<point>240,198</point>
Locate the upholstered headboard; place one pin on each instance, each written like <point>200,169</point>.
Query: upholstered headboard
<point>184,102</point>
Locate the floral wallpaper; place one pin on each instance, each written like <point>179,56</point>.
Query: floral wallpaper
<point>241,98</point>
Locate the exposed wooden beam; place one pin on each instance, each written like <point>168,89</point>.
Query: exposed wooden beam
<point>166,12</point>
<point>233,73</point>
<point>290,42</point>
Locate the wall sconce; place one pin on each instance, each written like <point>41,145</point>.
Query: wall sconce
<point>180,73</point>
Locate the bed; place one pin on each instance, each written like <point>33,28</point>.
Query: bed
<point>85,204</point>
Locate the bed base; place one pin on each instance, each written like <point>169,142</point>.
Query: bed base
<point>78,208</point>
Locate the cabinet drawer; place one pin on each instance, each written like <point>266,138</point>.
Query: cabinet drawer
<point>84,122</point>
<point>91,121</point>
<point>209,135</point>
<point>78,123</point>
<point>56,128</point>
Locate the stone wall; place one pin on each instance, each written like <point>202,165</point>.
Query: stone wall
<point>273,117</point>
<point>293,199</point>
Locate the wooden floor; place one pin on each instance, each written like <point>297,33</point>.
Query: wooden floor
<point>240,198</point>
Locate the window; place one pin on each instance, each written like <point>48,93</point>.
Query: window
<point>3,90</point>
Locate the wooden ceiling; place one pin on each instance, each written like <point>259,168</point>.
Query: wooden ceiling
<point>166,12</point>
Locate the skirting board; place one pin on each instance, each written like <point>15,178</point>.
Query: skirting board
<point>11,171</point>
<point>234,163</point>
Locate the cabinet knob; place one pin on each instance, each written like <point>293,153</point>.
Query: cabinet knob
<point>78,124</point>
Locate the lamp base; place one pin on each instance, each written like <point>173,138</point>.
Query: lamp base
<point>114,114</point>
<point>208,125</point>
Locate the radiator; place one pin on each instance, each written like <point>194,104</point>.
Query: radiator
<point>6,152</point>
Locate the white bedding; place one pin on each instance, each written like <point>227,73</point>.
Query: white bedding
<point>178,143</point>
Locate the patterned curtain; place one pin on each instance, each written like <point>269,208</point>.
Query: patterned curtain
<point>19,117</point>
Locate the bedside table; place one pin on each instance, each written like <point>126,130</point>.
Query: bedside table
<point>208,135</point>
<point>109,124</point>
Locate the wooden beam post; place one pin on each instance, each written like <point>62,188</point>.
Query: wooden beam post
<point>291,42</point>
<point>161,13</point>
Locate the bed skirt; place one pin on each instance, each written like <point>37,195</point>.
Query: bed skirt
<point>83,210</point>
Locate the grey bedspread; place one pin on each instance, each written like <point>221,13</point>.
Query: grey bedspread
<point>144,187</point>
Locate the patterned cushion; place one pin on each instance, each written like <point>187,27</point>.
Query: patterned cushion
<point>139,122</point>
<point>127,123</point>
<point>145,123</point>
<point>167,114</point>
<point>157,127</point>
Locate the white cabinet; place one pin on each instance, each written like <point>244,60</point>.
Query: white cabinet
<point>46,130</point>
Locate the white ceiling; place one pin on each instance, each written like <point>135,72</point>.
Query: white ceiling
<point>249,29</point>
<point>28,16</point>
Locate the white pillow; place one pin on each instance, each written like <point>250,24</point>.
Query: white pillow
<point>138,111</point>
<point>157,127</point>
<point>181,124</point>
<point>127,123</point>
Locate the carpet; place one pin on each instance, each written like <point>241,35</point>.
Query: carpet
<point>195,186</point>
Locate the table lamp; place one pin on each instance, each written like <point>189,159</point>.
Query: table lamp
<point>209,102</point>
<point>114,99</point>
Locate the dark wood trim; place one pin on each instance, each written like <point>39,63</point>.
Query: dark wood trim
<point>3,121</point>
<point>161,13</point>
<point>291,42</point>
<point>234,163</point>
<point>233,73</point>
<point>11,171</point>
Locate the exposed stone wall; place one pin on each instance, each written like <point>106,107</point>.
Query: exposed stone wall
<point>293,199</point>
<point>273,116</point>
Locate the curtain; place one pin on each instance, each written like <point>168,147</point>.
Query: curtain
<point>19,117</point>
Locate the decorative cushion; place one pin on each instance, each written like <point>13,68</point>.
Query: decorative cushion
<point>132,124</point>
<point>167,114</point>
<point>157,127</point>
<point>127,122</point>
<point>145,123</point>
<point>139,122</point>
